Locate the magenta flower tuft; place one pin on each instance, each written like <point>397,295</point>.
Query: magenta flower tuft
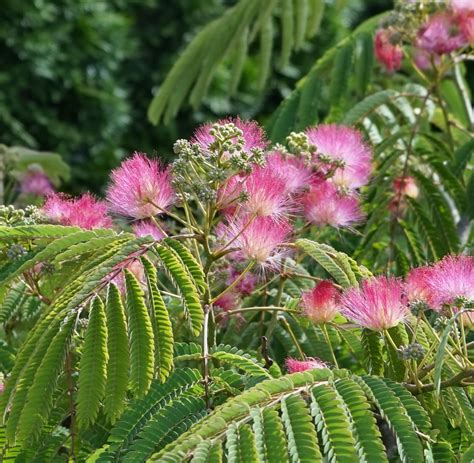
<point>321,303</point>
<point>466,24</point>
<point>406,186</point>
<point>246,284</point>
<point>345,145</point>
<point>37,183</point>
<point>140,188</point>
<point>147,228</point>
<point>298,366</point>
<point>252,133</point>
<point>85,212</point>
<point>378,304</point>
<point>388,54</point>
<point>258,239</point>
<point>290,170</point>
<point>417,287</point>
<point>452,278</point>
<point>440,34</point>
<point>323,205</point>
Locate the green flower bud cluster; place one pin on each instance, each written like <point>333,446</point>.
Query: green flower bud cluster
<point>298,144</point>
<point>11,216</point>
<point>418,307</point>
<point>413,351</point>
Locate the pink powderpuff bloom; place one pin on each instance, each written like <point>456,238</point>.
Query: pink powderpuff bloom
<point>252,133</point>
<point>246,285</point>
<point>298,366</point>
<point>140,188</point>
<point>266,195</point>
<point>291,170</point>
<point>343,144</point>
<point>425,60</point>
<point>377,305</point>
<point>229,193</point>
<point>147,228</point>
<point>323,205</point>
<point>84,212</point>
<point>462,6</point>
<point>417,287</point>
<point>388,54</point>
<point>36,183</point>
<point>228,301</point>
<point>466,24</point>
<point>452,278</point>
<point>259,239</point>
<point>321,303</point>
<point>406,186</point>
<point>440,34</point>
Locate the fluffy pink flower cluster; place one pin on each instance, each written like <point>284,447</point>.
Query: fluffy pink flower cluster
<point>448,282</point>
<point>35,182</point>
<point>443,32</point>
<point>85,211</point>
<point>383,302</point>
<point>298,366</point>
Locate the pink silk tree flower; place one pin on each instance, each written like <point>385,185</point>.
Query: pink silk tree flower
<point>406,186</point>
<point>266,195</point>
<point>229,193</point>
<point>466,24</point>
<point>246,284</point>
<point>84,212</point>
<point>440,34</point>
<point>451,279</point>
<point>425,60</point>
<point>338,143</point>
<point>462,6</point>
<point>140,188</point>
<point>147,228</point>
<point>298,366</point>
<point>417,287</point>
<point>36,182</point>
<point>252,133</point>
<point>258,239</point>
<point>377,305</point>
<point>323,205</point>
<point>321,304</point>
<point>387,53</point>
<point>291,170</point>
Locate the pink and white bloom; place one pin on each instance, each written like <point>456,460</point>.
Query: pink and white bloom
<point>321,304</point>
<point>36,182</point>
<point>258,239</point>
<point>298,366</point>
<point>377,305</point>
<point>425,60</point>
<point>324,205</point>
<point>406,186</point>
<point>140,188</point>
<point>466,24</point>
<point>85,211</point>
<point>291,170</point>
<point>417,287</point>
<point>246,284</point>
<point>252,133</point>
<point>388,54</point>
<point>147,228</point>
<point>440,34</point>
<point>452,278</point>
<point>345,145</point>
<point>462,6</point>
<point>229,193</point>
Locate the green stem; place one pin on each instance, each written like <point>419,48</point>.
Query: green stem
<point>235,282</point>
<point>328,340</point>
<point>288,328</point>
<point>460,84</point>
<point>274,319</point>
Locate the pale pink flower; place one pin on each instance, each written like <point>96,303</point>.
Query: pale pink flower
<point>452,278</point>
<point>321,303</point>
<point>298,366</point>
<point>387,53</point>
<point>140,188</point>
<point>229,193</point>
<point>290,169</point>
<point>36,182</point>
<point>417,287</point>
<point>406,186</point>
<point>258,239</point>
<point>466,24</point>
<point>345,145</point>
<point>147,228</point>
<point>324,205</point>
<point>84,212</point>
<point>228,301</point>
<point>425,60</point>
<point>440,34</point>
<point>266,194</point>
<point>378,304</point>
<point>246,284</point>
<point>252,133</point>
<point>462,6</point>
